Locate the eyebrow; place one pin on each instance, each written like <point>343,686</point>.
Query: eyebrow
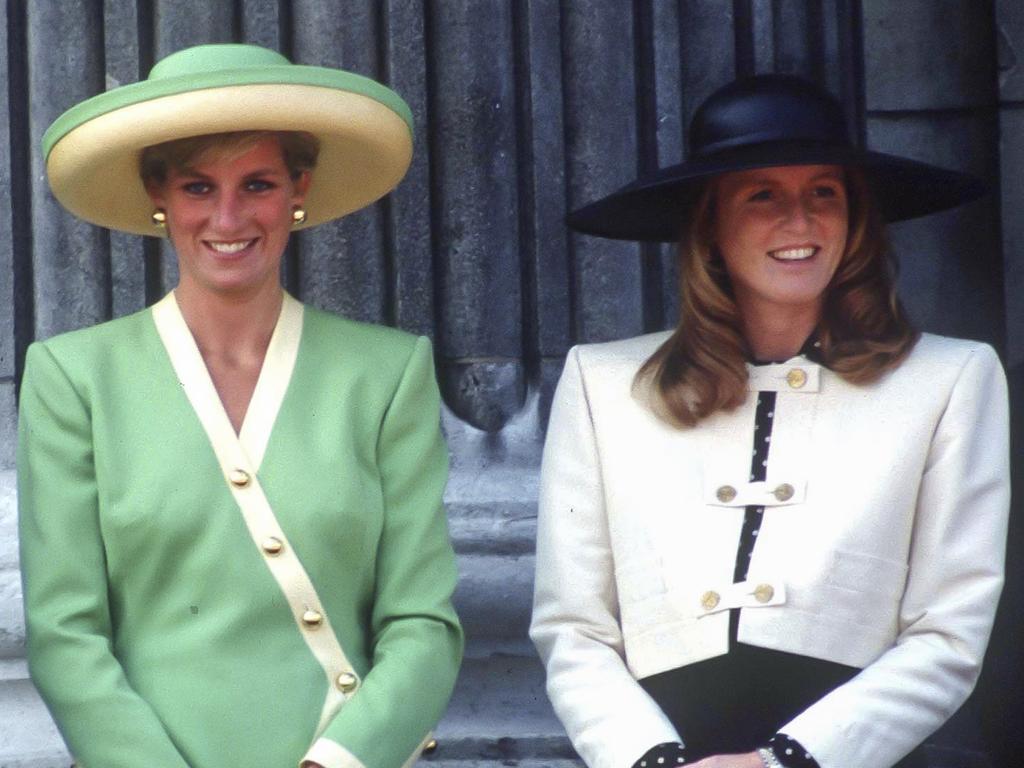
<point>760,179</point>
<point>193,173</point>
<point>263,172</point>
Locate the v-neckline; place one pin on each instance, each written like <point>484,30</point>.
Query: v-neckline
<point>271,385</point>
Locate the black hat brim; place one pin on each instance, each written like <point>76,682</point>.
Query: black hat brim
<point>656,207</point>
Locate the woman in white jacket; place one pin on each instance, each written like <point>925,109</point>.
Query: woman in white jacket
<point>774,536</point>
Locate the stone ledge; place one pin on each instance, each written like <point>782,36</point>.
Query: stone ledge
<point>494,595</point>
<point>493,528</point>
<point>499,711</point>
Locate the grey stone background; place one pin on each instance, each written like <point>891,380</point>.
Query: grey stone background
<point>524,108</point>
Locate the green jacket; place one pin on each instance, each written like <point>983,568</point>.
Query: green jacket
<point>182,614</point>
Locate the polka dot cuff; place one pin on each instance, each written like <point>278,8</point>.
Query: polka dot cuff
<point>790,753</point>
<point>666,755</point>
<point>787,751</point>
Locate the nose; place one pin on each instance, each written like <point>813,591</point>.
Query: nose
<point>799,214</point>
<point>229,213</point>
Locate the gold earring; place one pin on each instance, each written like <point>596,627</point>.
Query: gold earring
<point>298,216</point>
<point>159,218</point>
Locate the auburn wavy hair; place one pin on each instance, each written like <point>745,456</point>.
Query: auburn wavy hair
<point>701,368</point>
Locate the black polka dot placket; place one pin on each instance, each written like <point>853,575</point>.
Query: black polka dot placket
<point>764,417</point>
<point>782,750</point>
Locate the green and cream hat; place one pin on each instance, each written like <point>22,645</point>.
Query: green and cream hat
<point>92,151</point>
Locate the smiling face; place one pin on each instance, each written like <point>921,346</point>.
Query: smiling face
<point>781,233</point>
<point>229,216</point>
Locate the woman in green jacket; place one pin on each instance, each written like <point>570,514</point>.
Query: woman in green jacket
<point>233,545</point>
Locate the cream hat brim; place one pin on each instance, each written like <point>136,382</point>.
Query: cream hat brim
<point>365,147</point>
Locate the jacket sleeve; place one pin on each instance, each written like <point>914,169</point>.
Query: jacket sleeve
<point>105,723</point>
<point>610,719</point>
<point>953,584</point>
<point>417,639</point>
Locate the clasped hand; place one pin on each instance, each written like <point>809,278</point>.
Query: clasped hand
<point>748,760</point>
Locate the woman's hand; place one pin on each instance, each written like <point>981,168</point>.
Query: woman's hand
<point>748,760</point>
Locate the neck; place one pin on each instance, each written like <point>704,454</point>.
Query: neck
<point>231,326</point>
<point>778,333</point>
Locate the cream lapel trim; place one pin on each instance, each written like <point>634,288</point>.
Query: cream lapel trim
<point>240,474</point>
<point>278,366</point>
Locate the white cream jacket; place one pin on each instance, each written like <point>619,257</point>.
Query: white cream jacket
<point>881,547</point>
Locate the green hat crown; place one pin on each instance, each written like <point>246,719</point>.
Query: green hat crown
<point>213,58</point>
<point>220,65</point>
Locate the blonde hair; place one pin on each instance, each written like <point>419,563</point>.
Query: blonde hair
<point>299,150</point>
<point>701,368</point>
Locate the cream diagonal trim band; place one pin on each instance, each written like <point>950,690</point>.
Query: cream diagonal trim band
<point>331,754</point>
<point>239,473</point>
<point>275,375</point>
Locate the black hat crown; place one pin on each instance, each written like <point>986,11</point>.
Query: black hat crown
<point>767,108</point>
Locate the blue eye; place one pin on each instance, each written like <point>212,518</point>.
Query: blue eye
<point>196,187</point>
<point>258,185</point>
<point>762,195</point>
<point>826,191</point>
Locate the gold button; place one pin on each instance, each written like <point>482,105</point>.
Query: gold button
<point>784,492</point>
<point>239,478</point>
<point>430,746</point>
<point>312,619</point>
<point>726,494</point>
<point>763,593</point>
<point>273,545</point>
<point>710,600</point>
<point>347,682</point>
<point>796,378</point>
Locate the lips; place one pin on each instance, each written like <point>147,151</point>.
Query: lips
<point>229,248</point>
<point>793,254</point>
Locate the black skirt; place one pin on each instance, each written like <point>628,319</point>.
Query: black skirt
<point>735,703</point>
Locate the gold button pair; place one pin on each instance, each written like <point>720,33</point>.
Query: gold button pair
<point>763,593</point>
<point>782,492</point>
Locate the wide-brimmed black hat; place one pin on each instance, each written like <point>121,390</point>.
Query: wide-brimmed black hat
<point>761,122</point>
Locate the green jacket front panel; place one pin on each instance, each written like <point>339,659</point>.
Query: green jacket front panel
<point>156,633</point>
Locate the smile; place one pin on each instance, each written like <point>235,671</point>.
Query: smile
<point>793,254</point>
<point>229,248</point>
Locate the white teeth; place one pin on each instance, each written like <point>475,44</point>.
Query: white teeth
<point>230,247</point>
<point>792,254</point>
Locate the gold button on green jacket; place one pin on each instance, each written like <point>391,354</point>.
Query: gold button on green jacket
<point>159,631</point>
